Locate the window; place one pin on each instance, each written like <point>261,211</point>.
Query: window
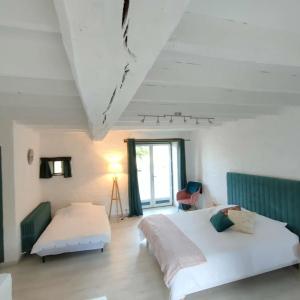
<point>58,168</point>
<point>55,166</point>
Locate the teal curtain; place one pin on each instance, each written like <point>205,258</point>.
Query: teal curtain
<point>45,170</point>
<point>67,168</point>
<point>135,205</point>
<point>182,164</point>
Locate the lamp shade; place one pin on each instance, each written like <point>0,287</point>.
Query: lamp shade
<point>115,168</point>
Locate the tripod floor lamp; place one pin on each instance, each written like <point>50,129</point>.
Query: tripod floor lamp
<point>115,169</point>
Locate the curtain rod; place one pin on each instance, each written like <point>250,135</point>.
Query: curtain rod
<point>56,158</point>
<point>157,140</point>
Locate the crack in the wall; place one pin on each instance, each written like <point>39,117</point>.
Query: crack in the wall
<point>125,40</point>
<point>126,70</point>
<point>109,105</point>
<point>125,11</point>
<point>125,31</point>
<point>125,23</point>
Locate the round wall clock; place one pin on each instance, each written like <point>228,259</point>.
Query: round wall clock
<point>30,156</point>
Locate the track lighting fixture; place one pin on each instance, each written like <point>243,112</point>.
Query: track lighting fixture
<point>176,115</point>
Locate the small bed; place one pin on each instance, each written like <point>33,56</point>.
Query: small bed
<point>78,227</point>
<point>231,255</point>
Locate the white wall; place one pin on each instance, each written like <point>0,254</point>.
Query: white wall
<point>21,186</point>
<point>91,181</point>
<point>27,182</point>
<point>264,146</point>
<point>10,232</point>
<point>23,190</point>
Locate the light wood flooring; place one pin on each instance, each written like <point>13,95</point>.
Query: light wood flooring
<point>126,270</point>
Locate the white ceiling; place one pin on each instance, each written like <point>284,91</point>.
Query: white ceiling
<point>61,60</point>
<point>36,83</point>
<point>226,59</point>
<point>94,41</point>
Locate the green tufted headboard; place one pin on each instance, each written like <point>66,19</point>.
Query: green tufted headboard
<point>276,198</point>
<point>34,225</point>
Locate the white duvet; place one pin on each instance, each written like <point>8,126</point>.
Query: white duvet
<point>75,228</point>
<point>231,255</point>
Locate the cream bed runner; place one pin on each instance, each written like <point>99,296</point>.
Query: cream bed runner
<point>171,247</point>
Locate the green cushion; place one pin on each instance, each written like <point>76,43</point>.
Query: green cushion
<point>220,221</point>
<point>193,187</point>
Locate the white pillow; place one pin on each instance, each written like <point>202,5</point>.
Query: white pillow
<point>81,203</point>
<point>244,221</point>
<point>265,220</point>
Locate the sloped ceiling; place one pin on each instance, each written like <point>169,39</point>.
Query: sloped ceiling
<point>36,82</point>
<point>227,60</point>
<point>109,61</point>
<point>72,64</point>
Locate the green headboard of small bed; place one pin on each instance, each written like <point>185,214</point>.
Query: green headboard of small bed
<point>34,225</point>
<point>275,198</point>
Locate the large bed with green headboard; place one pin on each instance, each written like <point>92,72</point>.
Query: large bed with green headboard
<point>231,255</point>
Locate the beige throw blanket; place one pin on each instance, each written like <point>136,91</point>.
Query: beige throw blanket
<point>171,247</point>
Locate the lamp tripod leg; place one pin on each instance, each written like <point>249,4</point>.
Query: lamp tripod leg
<point>119,200</point>
<point>112,197</point>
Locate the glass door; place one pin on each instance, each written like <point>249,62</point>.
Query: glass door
<point>154,164</point>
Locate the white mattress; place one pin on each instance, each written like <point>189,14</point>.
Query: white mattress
<point>231,255</point>
<point>74,228</point>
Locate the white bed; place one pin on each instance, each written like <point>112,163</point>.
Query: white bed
<point>77,227</point>
<point>231,255</point>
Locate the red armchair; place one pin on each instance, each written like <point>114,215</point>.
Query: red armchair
<point>190,195</point>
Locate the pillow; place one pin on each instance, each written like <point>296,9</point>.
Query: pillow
<point>220,221</point>
<point>225,210</point>
<point>81,203</point>
<point>260,219</point>
<point>244,221</point>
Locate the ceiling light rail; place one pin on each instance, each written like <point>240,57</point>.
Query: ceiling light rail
<point>176,115</point>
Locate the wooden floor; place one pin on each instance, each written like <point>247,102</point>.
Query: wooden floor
<point>126,270</point>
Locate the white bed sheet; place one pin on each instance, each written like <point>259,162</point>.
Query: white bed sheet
<point>74,228</point>
<point>231,255</point>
